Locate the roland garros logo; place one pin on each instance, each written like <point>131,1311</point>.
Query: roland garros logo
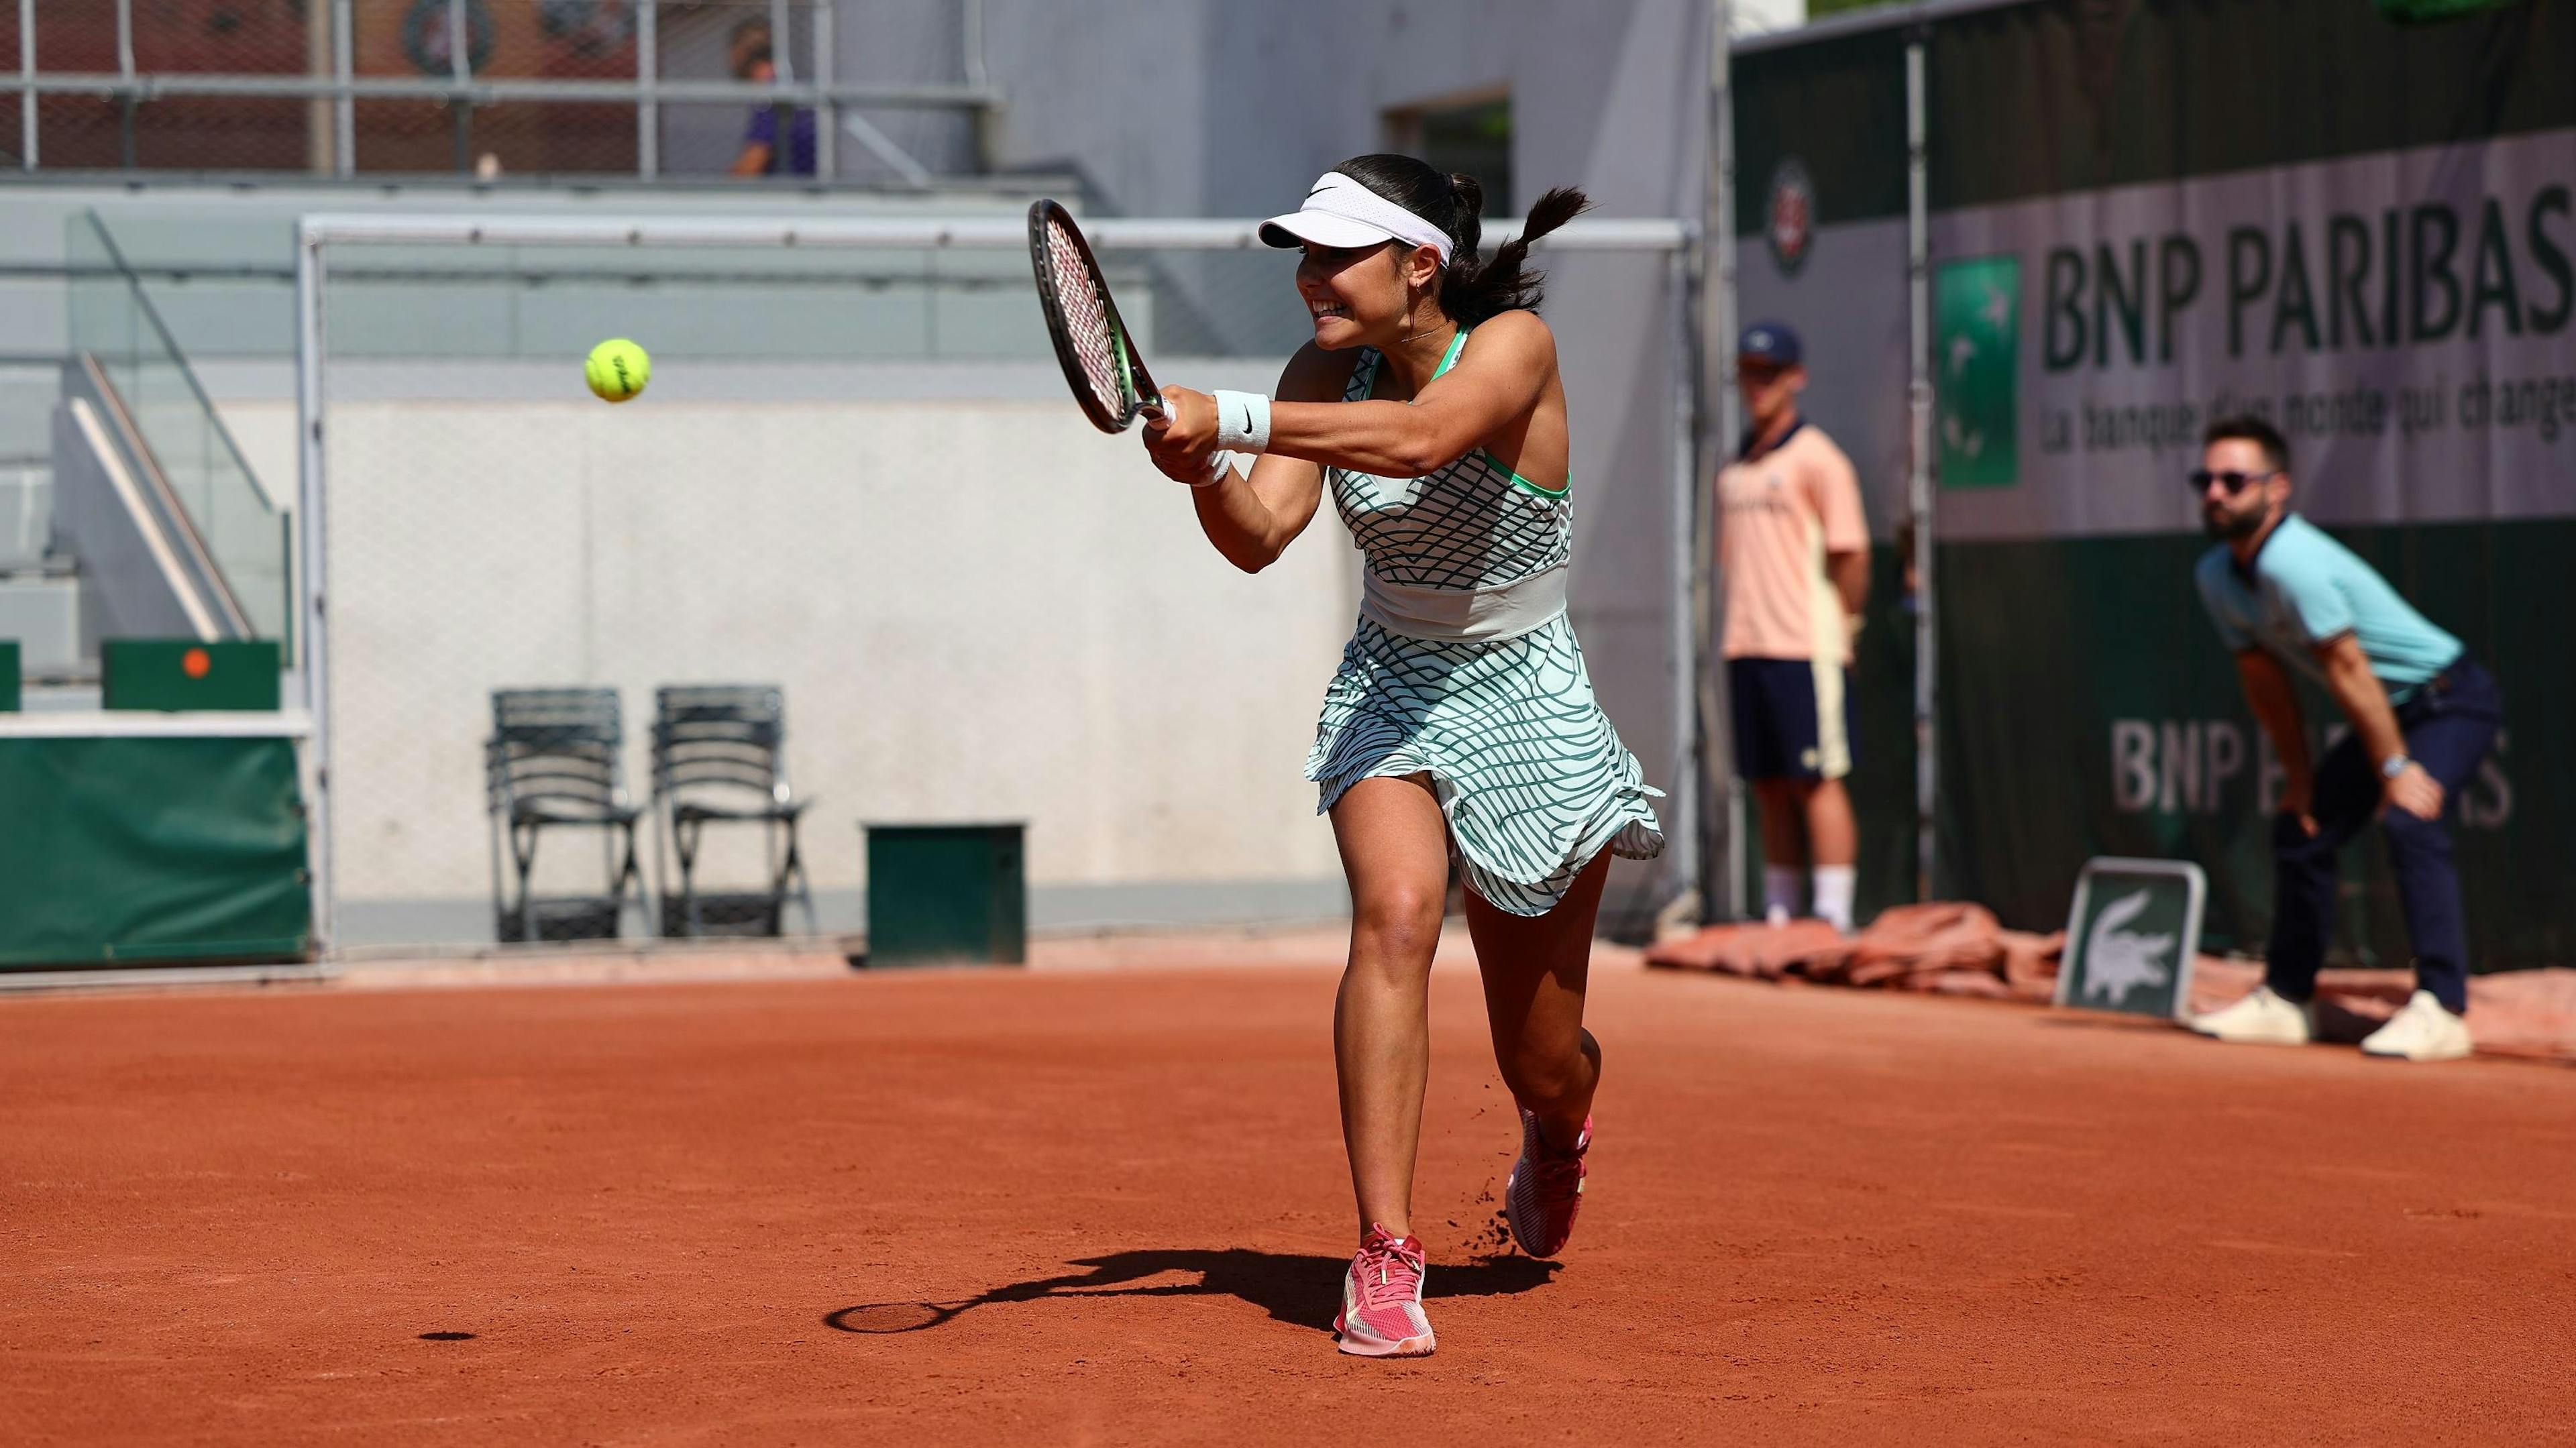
<point>1789,218</point>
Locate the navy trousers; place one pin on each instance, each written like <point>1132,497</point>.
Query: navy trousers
<point>2449,724</point>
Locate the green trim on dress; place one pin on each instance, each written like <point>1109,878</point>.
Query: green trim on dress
<point>1448,360</point>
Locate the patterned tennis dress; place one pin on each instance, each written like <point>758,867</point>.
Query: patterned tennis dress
<point>1464,667</point>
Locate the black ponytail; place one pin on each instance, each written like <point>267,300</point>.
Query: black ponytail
<point>1472,287</point>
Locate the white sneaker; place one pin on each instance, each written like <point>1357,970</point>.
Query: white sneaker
<point>2424,1031</point>
<point>2261,1019</point>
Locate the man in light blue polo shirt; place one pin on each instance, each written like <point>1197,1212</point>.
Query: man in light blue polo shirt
<point>2423,715</point>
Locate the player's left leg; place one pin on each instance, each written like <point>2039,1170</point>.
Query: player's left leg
<point>1833,835</point>
<point>2448,732</point>
<point>1536,969</point>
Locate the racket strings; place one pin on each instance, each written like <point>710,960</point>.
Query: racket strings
<point>1086,322</point>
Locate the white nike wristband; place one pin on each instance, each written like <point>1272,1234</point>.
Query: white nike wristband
<point>1243,421</point>
<point>1220,463</point>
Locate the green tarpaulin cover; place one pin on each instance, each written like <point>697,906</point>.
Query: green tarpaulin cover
<point>118,849</point>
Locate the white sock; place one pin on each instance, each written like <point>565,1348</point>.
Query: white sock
<point>1834,895</point>
<point>1779,893</point>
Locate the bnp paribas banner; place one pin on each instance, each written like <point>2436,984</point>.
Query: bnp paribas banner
<point>2404,318</point>
<point>2408,320</point>
<point>2375,248</point>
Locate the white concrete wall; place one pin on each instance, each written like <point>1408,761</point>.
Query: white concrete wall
<point>978,609</point>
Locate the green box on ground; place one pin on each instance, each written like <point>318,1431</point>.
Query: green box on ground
<point>2132,935</point>
<point>183,674</point>
<point>8,676</point>
<point>947,894</point>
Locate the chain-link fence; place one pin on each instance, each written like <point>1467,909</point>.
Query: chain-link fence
<point>854,478</point>
<point>490,88</point>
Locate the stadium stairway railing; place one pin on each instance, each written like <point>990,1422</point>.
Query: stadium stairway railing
<point>168,526</point>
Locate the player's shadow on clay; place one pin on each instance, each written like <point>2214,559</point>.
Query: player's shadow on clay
<point>1292,1287</point>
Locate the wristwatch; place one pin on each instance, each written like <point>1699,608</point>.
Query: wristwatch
<point>2393,766</point>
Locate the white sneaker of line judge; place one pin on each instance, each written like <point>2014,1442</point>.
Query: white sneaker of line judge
<point>2424,1031</point>
<point>2261,1019</point>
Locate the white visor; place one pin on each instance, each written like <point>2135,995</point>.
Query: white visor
<point>1340,212</point>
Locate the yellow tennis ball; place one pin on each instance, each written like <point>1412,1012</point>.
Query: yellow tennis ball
<point>618,369</point>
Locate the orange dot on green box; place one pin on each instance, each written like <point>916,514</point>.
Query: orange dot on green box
<point>188,675</point>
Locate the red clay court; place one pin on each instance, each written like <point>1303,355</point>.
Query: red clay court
<point>1110,1206</point>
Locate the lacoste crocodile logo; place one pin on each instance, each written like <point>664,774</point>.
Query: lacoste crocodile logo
<point>2118,960</point>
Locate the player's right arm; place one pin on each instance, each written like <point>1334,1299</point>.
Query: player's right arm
<point>759,140</point>
<point>2276,706</point>
<point>1252,518</point>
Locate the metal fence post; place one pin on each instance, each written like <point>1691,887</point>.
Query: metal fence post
<point>460,68</point>
<point>827,120</point>
<point>344,151</point>
<point>1721,381</point>
<point>317,108</point>
<point>782,115</point>
<point>311,513</point>
<point>27,74</point>
<point>1918,482</point>
<point>648,68</point>
<point>125,73</point>
<point>987,121</point>
<point>1681,834</point>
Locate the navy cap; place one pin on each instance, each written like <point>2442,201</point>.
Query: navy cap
<point>1770,342</point>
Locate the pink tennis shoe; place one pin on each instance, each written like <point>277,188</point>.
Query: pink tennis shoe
<point>1545,1190</point>
<point>1382,1299</point>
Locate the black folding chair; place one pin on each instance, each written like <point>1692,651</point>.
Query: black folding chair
<point>719,757</point>
<point>553,761</point>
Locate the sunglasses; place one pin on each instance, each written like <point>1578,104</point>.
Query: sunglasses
<point>2234,482</point>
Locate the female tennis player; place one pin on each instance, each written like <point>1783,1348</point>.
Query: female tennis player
<point>1461,724</point>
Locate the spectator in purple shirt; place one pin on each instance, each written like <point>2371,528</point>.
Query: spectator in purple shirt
<point>754,61</point>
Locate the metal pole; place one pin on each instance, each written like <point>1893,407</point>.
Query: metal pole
<point>1918,482</point>
<point>1721,381</point>
<point>27,97</point>
<point>1681,834</point>
<point>907,230</point>
<point>125,72</point>
<point>460,66</point>
<point>311,516</point>
<point>317,111</point>
<point>648,67</point>
<point>486,90</point>
<point>985,120</point>
<point>782,116</point>
<point>344,150</point>
<point>827,126</point>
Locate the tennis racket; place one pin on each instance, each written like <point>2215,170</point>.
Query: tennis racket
<point>1099,357</point>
